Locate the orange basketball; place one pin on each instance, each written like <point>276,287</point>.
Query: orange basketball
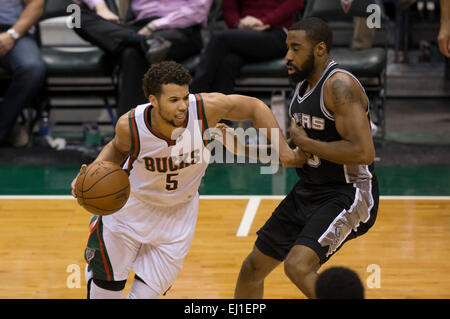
<point>103,188</point>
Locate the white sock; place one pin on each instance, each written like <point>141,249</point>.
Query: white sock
<point>97,292</point>
<point>139,290</point>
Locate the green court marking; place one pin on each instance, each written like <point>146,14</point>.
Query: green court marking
<point>233,180</point>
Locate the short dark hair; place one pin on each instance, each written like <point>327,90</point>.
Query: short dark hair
<point>165,72</point>
<point>316,29</point>
<point>339,283</point>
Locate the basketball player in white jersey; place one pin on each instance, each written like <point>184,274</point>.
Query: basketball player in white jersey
<point>162,147</point>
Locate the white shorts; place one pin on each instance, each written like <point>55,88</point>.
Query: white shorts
<point>114,248</point>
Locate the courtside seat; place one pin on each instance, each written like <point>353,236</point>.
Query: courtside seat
<point>263,76</point>
<point>270,69</point>
<point>362,63</point>
<point>89,61</point>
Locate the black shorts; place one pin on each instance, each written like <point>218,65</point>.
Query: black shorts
<point>321,218</point>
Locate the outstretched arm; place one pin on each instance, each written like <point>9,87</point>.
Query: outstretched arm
<point>236,143</point>
<point>344,98</point>
<point>236,107</point>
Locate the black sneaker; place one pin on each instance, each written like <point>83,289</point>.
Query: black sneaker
<point>158,48</point>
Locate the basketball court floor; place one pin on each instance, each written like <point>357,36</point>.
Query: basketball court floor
<point>43,233</point>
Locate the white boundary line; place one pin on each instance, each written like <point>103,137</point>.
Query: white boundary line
<point>249,215</point>
<point>225,197</point>
<point>36,197</point>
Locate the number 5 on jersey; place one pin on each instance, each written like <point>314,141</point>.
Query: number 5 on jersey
<point>171,182</point>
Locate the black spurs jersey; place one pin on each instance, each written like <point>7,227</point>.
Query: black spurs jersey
<point>309,111</point>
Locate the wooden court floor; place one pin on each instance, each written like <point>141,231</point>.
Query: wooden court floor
<point>408,249</point>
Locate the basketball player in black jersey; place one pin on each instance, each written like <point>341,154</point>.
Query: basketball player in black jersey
<point>336,197</point>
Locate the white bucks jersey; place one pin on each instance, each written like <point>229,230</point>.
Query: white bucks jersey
<point>166,172</point>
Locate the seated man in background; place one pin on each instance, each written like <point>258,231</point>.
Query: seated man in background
<point>20,56</point>
<point>164,29</point>
<point>256,33</point>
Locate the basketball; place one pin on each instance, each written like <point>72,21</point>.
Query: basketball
<point>103,188</point>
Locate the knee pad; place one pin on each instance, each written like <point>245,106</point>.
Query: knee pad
<point>110,285</point>
<point>101,289</point>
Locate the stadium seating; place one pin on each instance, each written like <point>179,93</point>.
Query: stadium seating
<point>84,70</point>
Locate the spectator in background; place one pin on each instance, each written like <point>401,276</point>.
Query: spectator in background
<point>163,29</point>
<point>339,283</point>
<point>20,56</point>
<point>256,32</point>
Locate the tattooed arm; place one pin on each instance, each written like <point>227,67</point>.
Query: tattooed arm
<point>345,100</point>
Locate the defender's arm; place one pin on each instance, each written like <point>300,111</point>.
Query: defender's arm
<point>345,100</point>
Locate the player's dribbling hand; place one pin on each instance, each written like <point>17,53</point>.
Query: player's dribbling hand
<point>74,182</point>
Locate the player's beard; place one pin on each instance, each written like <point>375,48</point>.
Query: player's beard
<point>306,69</point>
<point>167,119</point>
